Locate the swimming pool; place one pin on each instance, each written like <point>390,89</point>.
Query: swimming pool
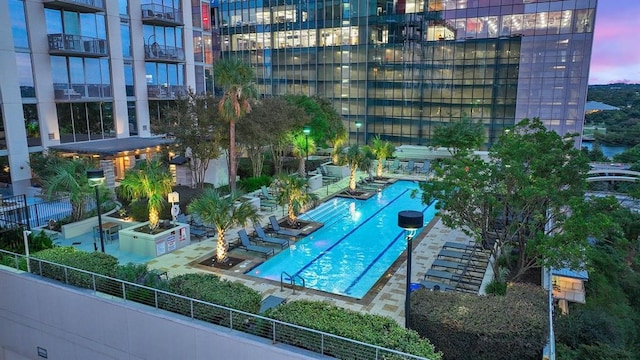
<point>359,241</point>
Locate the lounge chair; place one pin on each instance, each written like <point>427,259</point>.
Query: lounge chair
<point>247,245</point>
<point>436,286</point>
<point>411,165</point>
<point>326,178</point>
<point>275,227</point>
<point>265,194</point>
<point>441,275</point>
<point>426,167</point>
<point>268,239</point>
<point>447,264</point>
<point>395,166</point>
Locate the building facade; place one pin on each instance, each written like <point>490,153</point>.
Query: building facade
<point>83,70</point>
<point>402,67</point>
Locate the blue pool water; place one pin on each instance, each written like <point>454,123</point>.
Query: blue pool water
<point>358,243</point>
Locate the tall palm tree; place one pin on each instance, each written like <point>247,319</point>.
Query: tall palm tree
<point>355,157</point>
<point>238,81</point>
<point>70,178</point>
<point>224,213</point>
<point>294,192</point>
<point>381,150</point>
<point>299,142</point>
<point>149,180</point>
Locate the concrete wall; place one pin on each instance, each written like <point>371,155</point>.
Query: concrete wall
<point>69,323</point>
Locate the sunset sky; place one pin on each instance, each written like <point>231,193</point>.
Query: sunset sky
<point>616,47</point>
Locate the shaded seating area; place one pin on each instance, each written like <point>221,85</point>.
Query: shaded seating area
<point>275,228</point>
<point>261,236</point>
<point>248,246</point>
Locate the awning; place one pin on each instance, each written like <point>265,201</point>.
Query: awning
<point>112,147</point>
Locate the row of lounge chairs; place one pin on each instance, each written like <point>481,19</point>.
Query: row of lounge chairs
<point>409,167</point>
<point>458,267</point>
<point>261,236</point>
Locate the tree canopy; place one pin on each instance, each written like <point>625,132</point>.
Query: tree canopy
<point>460,135</point>
<point>528,196</point>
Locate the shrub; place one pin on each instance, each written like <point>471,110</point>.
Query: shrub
<point>210,288</point>
<point>372,329</point>
<point>96,262</point>
<point>140,274</point>
<point>589,326</point>
<point>465,326</point>
<point>254,183</point>
<point>496,287</point>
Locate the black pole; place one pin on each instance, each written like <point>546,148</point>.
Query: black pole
<point>357,135</point>
<point>407,300</point>
<point>306,139</point>
<point>99,218</point>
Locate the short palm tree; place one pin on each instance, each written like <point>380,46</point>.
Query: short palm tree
<point>381,150</point>
<point>149,180</point>
<point>299,150</point>
<point>70,178</point>
<point>224,213</point>
<point>294,192</point>
<point>356,157</point>
<point>237,78</point>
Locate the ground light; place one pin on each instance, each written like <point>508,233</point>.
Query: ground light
<point>410,221</point>
<point>95,179</point>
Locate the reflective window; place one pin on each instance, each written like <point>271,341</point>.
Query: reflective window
<point>82,121</point>
<point>25,75</point>
<point>18,24</point>
<point>32,124</point>
<point>125,33</point>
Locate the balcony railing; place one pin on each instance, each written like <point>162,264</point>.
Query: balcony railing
<point>81,91</point>
<point>166,92</point>
<point>163,53</point>
<point>64,44</point>
<point>161,15</point>
<point>84,6</point>
<point>240,321</point>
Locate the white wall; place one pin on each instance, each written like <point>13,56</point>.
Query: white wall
<point>70,323</point>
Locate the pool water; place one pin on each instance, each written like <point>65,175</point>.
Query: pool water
<point>358,243</point>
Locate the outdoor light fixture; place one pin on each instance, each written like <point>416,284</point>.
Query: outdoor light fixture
<point>306,131</point>
<point>95,178</point>
<point>358,125</point>
<point>410,221</point>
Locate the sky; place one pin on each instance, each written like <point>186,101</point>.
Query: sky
<point>616,47</point>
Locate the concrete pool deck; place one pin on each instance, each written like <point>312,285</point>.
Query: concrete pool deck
<point>388,296</point>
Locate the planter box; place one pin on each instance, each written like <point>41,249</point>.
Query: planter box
<point>315,182</point>
<point>85,226</point>
<point>175,237</point>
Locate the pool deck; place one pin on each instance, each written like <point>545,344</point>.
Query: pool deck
<point>388,295</point>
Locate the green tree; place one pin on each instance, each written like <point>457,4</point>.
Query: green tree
<point>238,81</point>
<point>356,157</point>
<point>300,143</point>
<point>529,194</point>
<point>150,180</point>
<point>268,125</point>
<point>381,150</point>
<point>294,192</point>
<point>224,213</point>
<point>459,136</point>
<point>69,178</point>
<point>195,125</point>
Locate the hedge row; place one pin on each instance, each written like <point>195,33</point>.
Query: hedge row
<point>368,328</point>
<point>514,326</point>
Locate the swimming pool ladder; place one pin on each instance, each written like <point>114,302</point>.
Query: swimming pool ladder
<point>291,279</point>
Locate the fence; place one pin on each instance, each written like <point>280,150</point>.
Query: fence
<point>15,211</point>
<point>277,331</point>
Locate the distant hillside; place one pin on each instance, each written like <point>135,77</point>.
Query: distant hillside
<point>620,95</point>
<point>623,126</point>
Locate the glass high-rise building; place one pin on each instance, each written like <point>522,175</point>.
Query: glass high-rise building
<point>402,67</point>
<point>80,71</point>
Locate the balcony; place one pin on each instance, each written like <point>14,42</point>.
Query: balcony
<point>154,14</point>
<point>83,6</point>
<point>162,53</point>
<point>83,92</point>
<point>63,44</point>
<point>168,92</point>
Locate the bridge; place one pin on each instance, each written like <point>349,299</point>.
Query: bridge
<point>613,174</point>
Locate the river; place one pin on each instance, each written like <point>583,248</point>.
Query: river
<point>607,150</point>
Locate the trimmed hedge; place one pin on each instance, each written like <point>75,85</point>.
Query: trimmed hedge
<point>96,262</point>
<point>514,326</point>
<point>372,329</point>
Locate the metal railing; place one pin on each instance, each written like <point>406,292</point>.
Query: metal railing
<point>277,331</point>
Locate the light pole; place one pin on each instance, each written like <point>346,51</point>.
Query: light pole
<point>95,179</point>
<point>306,131</point>
<point>410,221</point>
<point>25,235</point>
<point>358,125</point>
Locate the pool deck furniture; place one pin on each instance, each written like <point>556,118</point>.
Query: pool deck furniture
<point>431,284</point>
<point>275,227</point>
<point>458,246</point>
<point>447,264</point>
<point>454,254</point>
<point>261,236</point>
<point>248,246</point>
<point>394,167</point>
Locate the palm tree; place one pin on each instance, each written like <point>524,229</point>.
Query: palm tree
<point>149,180</point>
<point>355,157</point>
<point>70,178</point>
<point>381,150</point>
<point>238,81</point>
<point>224,213</point>
<point>299,142</point>
<point>293,191</point>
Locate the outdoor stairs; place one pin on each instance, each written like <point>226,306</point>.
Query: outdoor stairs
<point>458,266</point>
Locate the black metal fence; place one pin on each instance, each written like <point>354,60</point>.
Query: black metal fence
<point>16,211</point>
